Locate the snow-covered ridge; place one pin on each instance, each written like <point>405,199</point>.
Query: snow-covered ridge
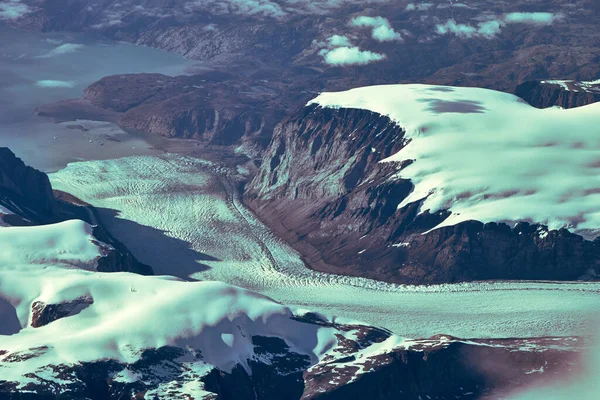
<point>65,243</point>
<point>489,156</point>
<point>123,314</point>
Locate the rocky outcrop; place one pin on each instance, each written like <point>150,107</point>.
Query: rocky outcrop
<point>565,94</point>
<point>42,314</point>
<point>119,258</point>
<point>321,187</point>
<point>25,190</point>
<point>441,367</point>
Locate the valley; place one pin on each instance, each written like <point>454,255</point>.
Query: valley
<point>284,199</point>
<point>183,217</point>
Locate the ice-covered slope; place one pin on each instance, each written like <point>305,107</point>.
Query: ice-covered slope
<point>65,243</point>
<point>121,314</point>
<point>489,156</point>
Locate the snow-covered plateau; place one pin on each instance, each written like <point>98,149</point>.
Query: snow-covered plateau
<point>183,217</point>
<point>489,156</point>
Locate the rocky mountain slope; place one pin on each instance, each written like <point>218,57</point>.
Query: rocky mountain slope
<point>565,94</point>
<point>488,44</point>
<point>25,189</point>
<point>323,186</point>
<point>217,108</point>
<point>27,199</point>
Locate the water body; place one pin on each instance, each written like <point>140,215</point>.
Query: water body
<point>37,69</point>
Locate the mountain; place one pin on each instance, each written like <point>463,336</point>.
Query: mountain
<point>70,332</point>
<point>27,199</point>
<point>430,184</point>
<point>488,44</point>
<point>261,61</point>
<point>215,108</point>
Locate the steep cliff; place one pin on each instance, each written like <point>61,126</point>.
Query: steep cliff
<point>322,186</point>
<point>27,198</point>
<point>25,189</point>
<point>565,94</point>
<point>214,107</point>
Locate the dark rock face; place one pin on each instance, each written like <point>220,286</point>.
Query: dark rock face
<point>42,314</point>
<point>277,373</point>
<point>119,258</point>
<point>445,371</point>
<point>321,187</point>
<point>25,190</point>
<point>567,94</point>
<point>28,193</point>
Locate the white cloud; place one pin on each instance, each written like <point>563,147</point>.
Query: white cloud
<point>536,18</point>
<point>460,30</point>
<point>418,7</point>
<point>455,5</point>
<point>489,29</point>
<point>50,83</point>
<point>62,50</point>
<point>338,40</point>
<point>13,9</point>
<point>382,30</point>
<point>343,56</point>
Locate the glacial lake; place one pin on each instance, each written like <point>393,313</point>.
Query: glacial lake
<point>40,68</point>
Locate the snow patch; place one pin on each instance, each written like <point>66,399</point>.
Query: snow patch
<point>65,243</point>
<point>217,319</point>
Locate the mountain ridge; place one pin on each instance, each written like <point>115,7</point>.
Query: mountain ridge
<point>324,187</point>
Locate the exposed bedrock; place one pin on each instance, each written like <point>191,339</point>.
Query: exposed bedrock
<point>440,367</point>
<point>25,188</point>
<point>216,108</point>
<point>565,94</point>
